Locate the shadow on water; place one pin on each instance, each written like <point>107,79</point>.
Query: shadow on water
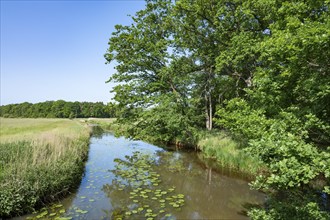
<point>164,185</point>
<point>97,131</point>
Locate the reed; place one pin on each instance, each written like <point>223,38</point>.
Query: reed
<point>40,161</point>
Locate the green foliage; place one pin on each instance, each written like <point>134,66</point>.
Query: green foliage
<point>141,53</point>
<point>262,66</point>
<point>281,144</point>
<point>159,67</point>
<point>296,209</point>
<point>58,109</point>
<point>161,124</point>
<point>242,120</point>
<point>293,163</point>
<point>294,71</point>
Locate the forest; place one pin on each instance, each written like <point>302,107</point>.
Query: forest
<point>58,109</point>
<point>258,69</point>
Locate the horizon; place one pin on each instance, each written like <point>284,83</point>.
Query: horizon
<point>53,50</point>
<point>105,103</point>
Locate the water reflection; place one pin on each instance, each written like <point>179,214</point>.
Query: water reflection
<point>209,194</point>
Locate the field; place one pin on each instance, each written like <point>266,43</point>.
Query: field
<point>40,161</point>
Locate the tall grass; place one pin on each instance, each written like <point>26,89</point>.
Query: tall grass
<point>229,154</point>
<point>40,161</point>
<point>108,124</point>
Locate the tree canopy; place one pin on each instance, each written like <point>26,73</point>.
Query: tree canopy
<point>59,109</point>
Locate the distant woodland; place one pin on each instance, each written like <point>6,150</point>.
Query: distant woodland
<point>58,109</point>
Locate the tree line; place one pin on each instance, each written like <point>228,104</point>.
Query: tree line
<point>58,109</point>
<point>257,68</point>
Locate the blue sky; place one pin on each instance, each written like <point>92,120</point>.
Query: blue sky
<point>53,50</point>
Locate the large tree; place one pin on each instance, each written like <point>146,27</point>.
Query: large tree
<point>188,56</point>
<point>221,37</point>
<point>153,75</point>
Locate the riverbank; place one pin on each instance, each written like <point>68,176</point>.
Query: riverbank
<point>130,179</point>
<point>41,160</point>
<point>217,145</point>
<point>107,124</point>
<point>229,154</point>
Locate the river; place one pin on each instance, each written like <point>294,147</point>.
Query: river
<point>180,185</point>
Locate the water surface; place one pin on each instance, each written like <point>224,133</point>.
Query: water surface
<point>208,194</point>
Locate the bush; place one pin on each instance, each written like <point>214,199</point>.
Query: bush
<point>294,163</point>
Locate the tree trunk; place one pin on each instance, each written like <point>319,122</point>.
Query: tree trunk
<point>210,114</point>
<point>207,113</point>
<point>208,101</point>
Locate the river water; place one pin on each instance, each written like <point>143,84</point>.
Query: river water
<point>207,194</point>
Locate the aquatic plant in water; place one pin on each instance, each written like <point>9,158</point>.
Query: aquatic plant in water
<point>141,190</point>
<point>54,211</point>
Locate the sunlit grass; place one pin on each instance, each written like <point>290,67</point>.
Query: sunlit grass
<point>40,160</point>
<point>229,154</point>
<point>105,123</point>
<point>13,130</point>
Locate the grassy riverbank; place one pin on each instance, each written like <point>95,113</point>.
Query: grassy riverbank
<point>40,161</point>
<point>217,145</point>
<point>107,124</point>
<point>229,154</point>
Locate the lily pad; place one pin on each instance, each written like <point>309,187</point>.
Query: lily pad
<point>176,205</point>
<point>180,196</point>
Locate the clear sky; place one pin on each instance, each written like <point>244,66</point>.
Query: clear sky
<point>53,50</point>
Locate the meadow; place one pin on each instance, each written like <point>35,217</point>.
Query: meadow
<point>41,160</point>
